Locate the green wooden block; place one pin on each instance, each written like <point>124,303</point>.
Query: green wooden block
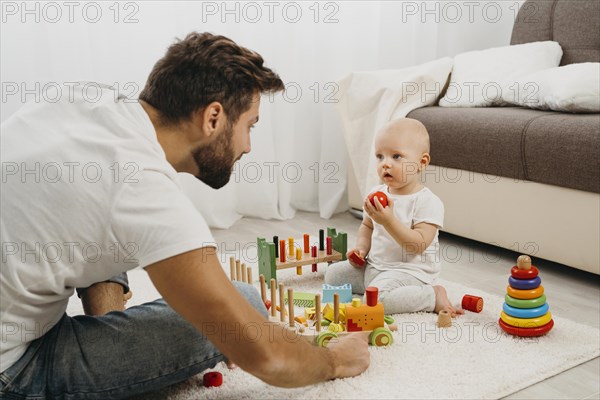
<point>302,299</point>
<point>266,260</point>
<point>339,241</point>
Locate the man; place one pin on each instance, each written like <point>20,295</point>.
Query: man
<point>90,190</point>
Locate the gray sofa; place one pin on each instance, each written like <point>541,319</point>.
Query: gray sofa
<point>525,179</point>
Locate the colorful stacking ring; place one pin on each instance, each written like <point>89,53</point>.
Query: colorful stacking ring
<point>517,273</point>
<point>525,312</point>
<point>524,284</point>
<point>513,330</point>
<point>525,294</point>
<point>531,303</point>
<point>526,322</point>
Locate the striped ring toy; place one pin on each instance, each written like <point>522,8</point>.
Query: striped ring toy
<point>525,294</point>
<point>517,273</point>
<point>521,303</point>
<point>526,322</point>
<point>524,284</point>
<point>525,312</point>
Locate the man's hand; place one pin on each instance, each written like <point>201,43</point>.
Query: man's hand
<point>351,354</point>
<point>104,297</point>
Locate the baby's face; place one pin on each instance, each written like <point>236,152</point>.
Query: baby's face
<point>399,156</point>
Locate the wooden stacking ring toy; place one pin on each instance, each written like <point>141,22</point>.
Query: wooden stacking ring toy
<point>526,322</point>
<point>472,303</point>
<point>525,294</point>
<point>520,303</point>
<point>525,312</point>
<point>515,272</point>
<point>538,331</point>
<point>524,284</point>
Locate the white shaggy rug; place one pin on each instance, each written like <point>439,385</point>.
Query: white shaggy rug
<point>474,359</point>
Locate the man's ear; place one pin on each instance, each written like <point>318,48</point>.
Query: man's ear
<point>211,119</point>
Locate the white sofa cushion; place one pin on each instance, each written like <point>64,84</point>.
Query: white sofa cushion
<point>479,78</point>
<point>571,88</point>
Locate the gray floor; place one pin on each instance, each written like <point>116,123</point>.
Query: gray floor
<point>473,264</point>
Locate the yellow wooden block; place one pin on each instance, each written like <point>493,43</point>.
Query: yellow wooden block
<point>328,312</point>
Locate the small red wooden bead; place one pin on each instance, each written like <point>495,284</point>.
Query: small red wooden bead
<point>212,379</point>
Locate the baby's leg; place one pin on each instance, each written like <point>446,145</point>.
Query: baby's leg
<point>343,272</point>
<point>403,293</point>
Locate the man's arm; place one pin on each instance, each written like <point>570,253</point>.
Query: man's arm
<point>196,287</point>
<point>104,297</point>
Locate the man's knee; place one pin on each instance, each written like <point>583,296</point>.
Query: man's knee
<point>252,295</point>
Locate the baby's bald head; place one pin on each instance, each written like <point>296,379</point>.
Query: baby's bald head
<point>411,130</point>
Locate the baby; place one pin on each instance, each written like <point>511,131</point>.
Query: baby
<point>399,241</point>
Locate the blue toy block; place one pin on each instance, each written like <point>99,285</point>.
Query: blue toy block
<point>345,292</point>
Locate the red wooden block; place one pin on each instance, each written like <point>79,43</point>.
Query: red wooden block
<point>472,303</point>
<point>212,379</point>
<point>357,259</point>
<point>372,294</point>
<point>268,304</point>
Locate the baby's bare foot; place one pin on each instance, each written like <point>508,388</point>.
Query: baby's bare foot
<point>443,303</point>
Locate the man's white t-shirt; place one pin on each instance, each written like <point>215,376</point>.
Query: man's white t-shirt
<point>412,209</point>
<point>87,193</point>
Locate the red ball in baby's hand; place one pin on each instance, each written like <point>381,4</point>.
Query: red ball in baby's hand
<point>381,197</point>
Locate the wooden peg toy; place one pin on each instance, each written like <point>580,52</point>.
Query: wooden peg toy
<point>250,281</point>
<point>244,273</point>
<point>263,288</point>
<point>291,307</point>
<point>318,312</point>
<point>238,270</point>
<point>282,251</point>
<point>321,240</point>
<point>232,268</point>
<point>281,302</point>
<point>273,298</point>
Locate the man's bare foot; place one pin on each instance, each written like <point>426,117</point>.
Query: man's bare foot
<point>443,303</point>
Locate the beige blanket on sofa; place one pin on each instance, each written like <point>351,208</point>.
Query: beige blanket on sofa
<point>368,100</point>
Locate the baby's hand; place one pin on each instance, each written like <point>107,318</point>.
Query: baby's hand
<point>356,257</point>
<point>378,213</point>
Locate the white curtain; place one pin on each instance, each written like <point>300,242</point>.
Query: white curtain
<point>298,159</point>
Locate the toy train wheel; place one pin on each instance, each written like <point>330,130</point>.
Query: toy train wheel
<point>324,337</point>
<point>381,337</point>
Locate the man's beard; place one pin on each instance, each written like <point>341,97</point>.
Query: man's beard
<point>215,160</point>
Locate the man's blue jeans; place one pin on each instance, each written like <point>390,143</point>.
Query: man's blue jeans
<point>117,355</point>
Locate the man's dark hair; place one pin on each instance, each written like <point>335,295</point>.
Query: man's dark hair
<point>204,68</point>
